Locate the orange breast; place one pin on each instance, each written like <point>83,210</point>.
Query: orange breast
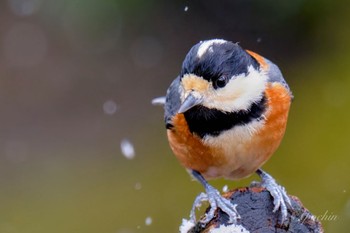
<point>234,156</point>
<point>190,149</point>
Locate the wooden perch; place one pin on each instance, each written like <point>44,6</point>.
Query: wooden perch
<point>255,207</point>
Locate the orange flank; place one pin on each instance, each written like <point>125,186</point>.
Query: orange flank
<point>270,136</point>
<point>279,100</point>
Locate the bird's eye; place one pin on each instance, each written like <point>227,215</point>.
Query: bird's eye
<point>221,81</point>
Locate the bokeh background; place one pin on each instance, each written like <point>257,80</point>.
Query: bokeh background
<point>77,78</point>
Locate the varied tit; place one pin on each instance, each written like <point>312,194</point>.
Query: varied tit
<point>226,114</point>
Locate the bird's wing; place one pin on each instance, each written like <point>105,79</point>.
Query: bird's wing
<point>275,74</point>
<point>158,101</point>
<point>172,102</point>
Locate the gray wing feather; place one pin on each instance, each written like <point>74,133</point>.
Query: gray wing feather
<point>172,102</point>
<point>275,75</point>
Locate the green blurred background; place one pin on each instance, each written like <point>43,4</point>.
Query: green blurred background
<point>77,78</point>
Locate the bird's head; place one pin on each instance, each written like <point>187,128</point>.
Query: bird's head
<point>219,74</point>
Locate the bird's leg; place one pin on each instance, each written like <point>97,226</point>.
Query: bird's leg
<point>279,194</point>
<point>215,200</point>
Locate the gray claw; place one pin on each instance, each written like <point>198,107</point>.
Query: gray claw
<point>197,204</point>
<point>216,201</point>
<point>280,198</point>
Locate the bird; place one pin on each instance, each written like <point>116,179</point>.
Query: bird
<point>225,115</point>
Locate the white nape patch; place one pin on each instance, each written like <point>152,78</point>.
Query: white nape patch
<point>239,93</point>
<point>203,48</point>
<point>186,226</point>
<point>233,228</point>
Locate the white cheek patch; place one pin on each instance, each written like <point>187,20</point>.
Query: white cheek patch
<point>206,46</point>
<point>239,93</point>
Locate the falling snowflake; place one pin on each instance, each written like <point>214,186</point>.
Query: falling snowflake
<point>127,149</point>
<point>110,107</point>
<point>225,188</point>
<point>138,186</point>
<point>148,221</point>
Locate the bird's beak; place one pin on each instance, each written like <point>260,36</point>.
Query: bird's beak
<point>190,101</point>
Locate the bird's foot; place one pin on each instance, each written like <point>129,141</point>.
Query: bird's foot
<point>280,198</point>
<point>216,201</point>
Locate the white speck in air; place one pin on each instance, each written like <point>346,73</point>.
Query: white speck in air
<point>110,107</point>
<point>127,149</point>
<point>138,186</point>
<point>225,188</point>
<point>148,221</point>
<point>186,8</point>
<point>258,40</point>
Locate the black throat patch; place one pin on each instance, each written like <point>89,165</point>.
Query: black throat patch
<point>205,121</point>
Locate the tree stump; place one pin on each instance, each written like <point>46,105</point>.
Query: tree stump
<point>255,207</point>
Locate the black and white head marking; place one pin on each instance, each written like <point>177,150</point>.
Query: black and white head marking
<point>235,80</point>
<point>227,82</point>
